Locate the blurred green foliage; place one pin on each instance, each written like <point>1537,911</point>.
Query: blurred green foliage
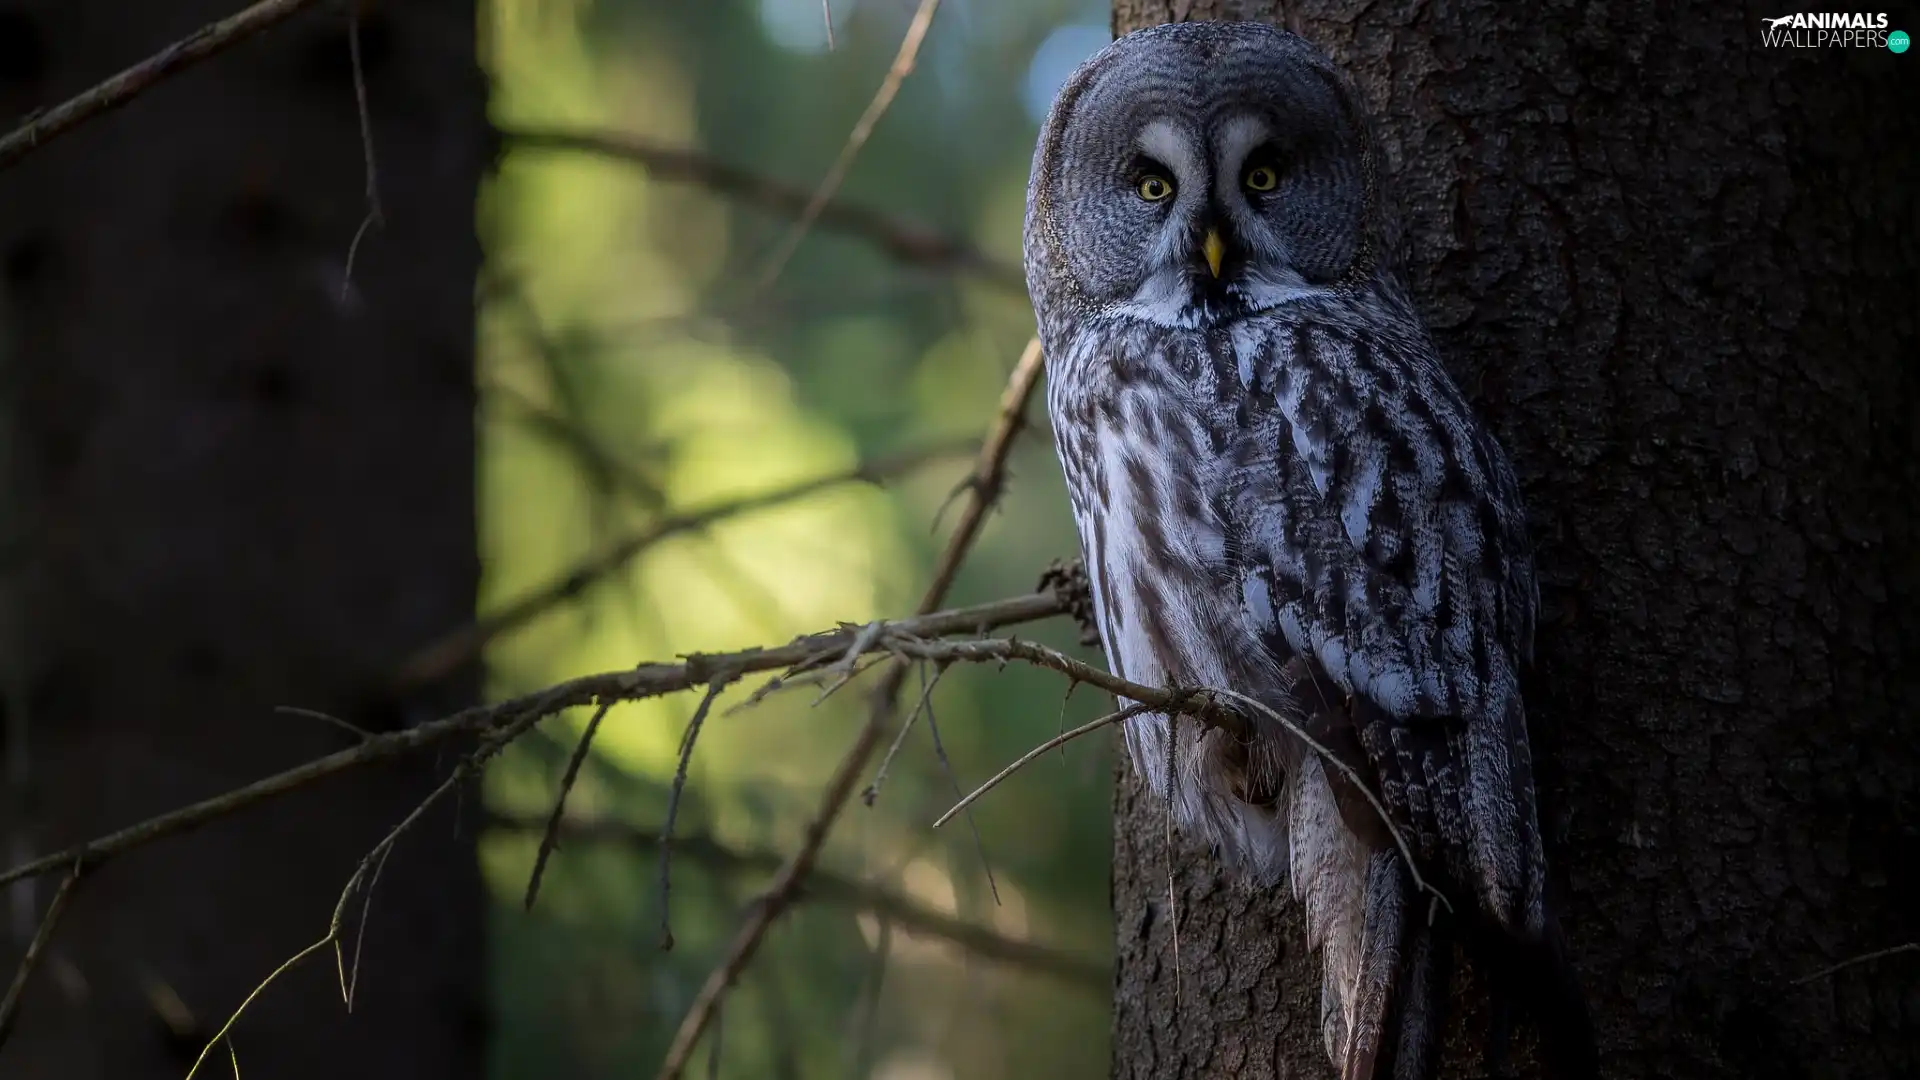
<point>629,367</point>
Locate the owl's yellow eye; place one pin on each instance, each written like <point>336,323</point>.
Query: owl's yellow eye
<point>1155,188</point>
<point>1262,178</point>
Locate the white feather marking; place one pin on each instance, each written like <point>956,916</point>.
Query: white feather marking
<point>1294,629</point>
<point>1163,299</point>
<point>1362,489</point>
<point>1429,553</point>
<point>1251,339</point>
<point>1333,657</point>
<point>1258,600</point>
<point>1266,288</point>
<point>1315,457</point>
<point>1172,145</point>
<point>1391,685</point>
<point>1236,138</point>
<point>1329,869</point>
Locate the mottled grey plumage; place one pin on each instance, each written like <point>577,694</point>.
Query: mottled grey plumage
<point>1280,491</point>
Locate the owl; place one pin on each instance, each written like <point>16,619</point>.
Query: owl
<point>1280,492</point>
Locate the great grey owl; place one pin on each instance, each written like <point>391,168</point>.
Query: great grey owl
<point>1280,492</point>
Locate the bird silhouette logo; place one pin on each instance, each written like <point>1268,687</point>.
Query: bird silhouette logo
<point>1774,24</point>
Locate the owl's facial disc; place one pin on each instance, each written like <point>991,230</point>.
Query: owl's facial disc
<point>1211,255</point>
<point>1194,173</point>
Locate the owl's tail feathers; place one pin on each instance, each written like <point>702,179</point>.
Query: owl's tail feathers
<point>1400,996</point>
<point>1536,978</point>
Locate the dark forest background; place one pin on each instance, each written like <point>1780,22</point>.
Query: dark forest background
<point>302,449</point>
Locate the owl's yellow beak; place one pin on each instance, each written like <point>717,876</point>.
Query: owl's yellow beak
<point>1214,249</point>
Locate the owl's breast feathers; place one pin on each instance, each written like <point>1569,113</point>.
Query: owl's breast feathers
<point>1307,485</point>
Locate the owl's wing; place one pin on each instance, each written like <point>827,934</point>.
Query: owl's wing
<point>1380,533</point>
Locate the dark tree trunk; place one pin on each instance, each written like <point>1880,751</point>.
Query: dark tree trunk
<point>1677,270</point>
<point>233,487</point>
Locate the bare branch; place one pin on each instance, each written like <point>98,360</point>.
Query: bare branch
<point>437,659</point>
<point>508,718</point>
<point>916,638</point>
<point>989,474</point>
<point>907,242</point>
<point>903,62</point>
<point>42,128</point>
<point>10,1005</point>
<point>825,886</point>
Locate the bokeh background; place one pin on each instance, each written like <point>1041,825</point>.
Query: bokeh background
<point>635,361</point>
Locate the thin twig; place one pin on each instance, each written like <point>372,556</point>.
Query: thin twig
<point>352,979</point>
<point>826,16</point>
<point>356,730</point>
<point>687,741</point>
<point>376,215</point>
<point>514,724</point>
<point>904,241</point>
<point>16,991</point>
<point>42,128</point>
<point>989,472</point>
<point>902,66</point>
<point>435,660</point>
<point>826,886</point>
<point>551,838</point>
<point>946,765</point>
<point>900,737</point>
<point>1058,740</point>
<point>1864,958</point>
<point>286,965</point>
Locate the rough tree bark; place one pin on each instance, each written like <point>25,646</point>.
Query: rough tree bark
<point>235,487</point>
<point>1676,270</point>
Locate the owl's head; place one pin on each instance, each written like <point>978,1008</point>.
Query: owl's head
<point>1196,171</point>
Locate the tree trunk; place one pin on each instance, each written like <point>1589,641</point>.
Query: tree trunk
<point>1676,270</point>
<point>237,482</point>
